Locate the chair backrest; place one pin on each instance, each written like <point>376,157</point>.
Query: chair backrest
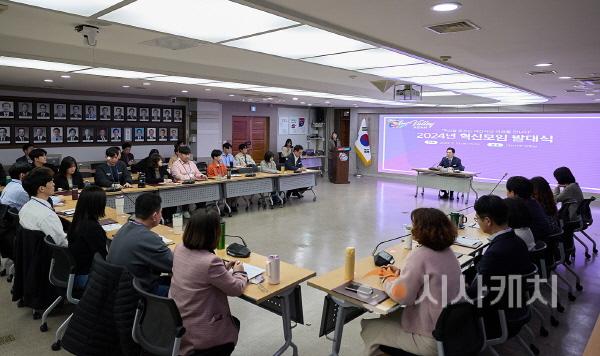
<point>585,212</point>
<point>539,257</point>
<point>157,324</point>
<point>460,330</point>
<point>202,166</point>
<point>62,265</point>
<point>565,215</point>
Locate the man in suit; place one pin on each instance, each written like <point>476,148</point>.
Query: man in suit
<point>6,111</point>
<point>155,114</point>
<point>75,112</point>
<point>21,138</point>
<point>104,114</point>
<point>56,135</point>
<point>59,111</point>
<point>4,138</point>
<point>102,136</point>
<point>113,171</point>
<point>139,135</point>
<point>174,135</point>
<point>116,135</point>
<point>144,114</point>
<point>27,148</point>
<point>118,114</point>
<point>506,255</point>
<point>151,134</point>
<point>162,135</point>
<point>25,110</point>
<point>131,115</point>
<point>450,161</point>
<point>43,111</point>
<point>91,113</point>
<point>88,135</point>
<point>519,187</point>
<point>72,135</point>
<point>39,135</point>
<point>294,163</point>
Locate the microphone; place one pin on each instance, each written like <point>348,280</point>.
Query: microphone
<point>237,250</point>
<point>383,258</point>
<point>497,184</point>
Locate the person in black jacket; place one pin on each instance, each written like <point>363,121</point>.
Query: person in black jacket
<point>156,172</point>
<point>144,162</point>
<point>519,187</point>
<point>450,161</point>
<point>68,176</point>
<point>506,255</point>
<point>294,163</point>
<point>27,148</point>
<point>113,171</point>
<point>86,236</point>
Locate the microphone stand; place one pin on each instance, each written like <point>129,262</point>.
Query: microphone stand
<point>386,241</point>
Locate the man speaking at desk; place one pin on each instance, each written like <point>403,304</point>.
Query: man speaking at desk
<point>450,161</point>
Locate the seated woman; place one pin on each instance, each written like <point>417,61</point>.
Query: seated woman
<point>68,176</point>
<point>268,165</point>
<point>156,172</point>
<point>568,190</point>
<point>520,221</point>
<point>542,193</point>
<point>410,328</point>
<point>200,286</point>
<point>86,236</point>
<point>287,148</point>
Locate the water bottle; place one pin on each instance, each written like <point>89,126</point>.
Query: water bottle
<point>142,180</point>
<point>74,193</point>
<point>221,242</point>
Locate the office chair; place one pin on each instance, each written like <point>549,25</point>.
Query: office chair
<point>157,326</point>
<point>539,257</point>
<point>61,276</point>
<point>9,220</point>
<point>586,220</point>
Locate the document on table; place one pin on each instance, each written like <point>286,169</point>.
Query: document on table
<point>253,271</point>
<point>167,241</point>
<point>111,227</point>
<point>467,242</point>
<point>67,212</point>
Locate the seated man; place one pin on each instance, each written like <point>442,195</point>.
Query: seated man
<point>27,148</point>
<point>113,171</point>
<point>140,250</point>
<point>243,159</point>
<point>450,161</point>
<point>126,156</point>
<point>294,163</point>
<point>228,158</point>
<point>518,187</point>
<point>39,158</point>
<point>37,213</point>
<point>13,194</point>
<point>506,255</point>
<point>184,169</point>
<point>216,168</point>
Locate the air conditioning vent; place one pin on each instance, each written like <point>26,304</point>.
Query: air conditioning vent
<point>172,42</point>
<point>589,81</point>
<point>451,27</point>
<point>541,72</point>
<point>575,91</point>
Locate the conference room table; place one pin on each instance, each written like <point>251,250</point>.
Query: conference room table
<point>461,181</point>
<point>284,299</point>
<point>349,308</point>
<point>215,190</point>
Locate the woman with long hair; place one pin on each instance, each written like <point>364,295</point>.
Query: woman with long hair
<point>68,176</point>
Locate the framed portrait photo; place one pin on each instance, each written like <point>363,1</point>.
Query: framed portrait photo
<point>60,111</point>
<point>167,115</point>
<point>155,116</point>
<point>127,135</point>
<point>144,114</point>
<point>131,114</point>
<point>151,134</point>
<point>87,134</point>
<point>4,135</point>
<point>42,111</point>
<point>56,134</point>
<point>75,112</point>
<point>7,110</point>
<point>102,135</point>
<point>177,115</point>
<point>138,135</point>
<point>73,134</point>
<point>105,113</point>
<point>90,113</point>
<point>118,113</point>
<point>21,135</point>
<point>163,134</point>
<point>173,134</point>
<point>39,135</point>
<point>115,135</point>
<point>25,110</point>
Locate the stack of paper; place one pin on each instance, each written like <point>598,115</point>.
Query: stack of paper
<point>111,227</point>
<point>467,242</point>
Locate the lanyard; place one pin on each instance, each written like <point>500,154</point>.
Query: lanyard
<point>115,173</point>
<point>42,204</point>
<point>187,170</point>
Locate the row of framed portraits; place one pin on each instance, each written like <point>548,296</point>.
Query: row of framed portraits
<point>87,134</point>
<point>28,110</point>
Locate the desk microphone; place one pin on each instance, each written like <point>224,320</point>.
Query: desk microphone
<point>237,250</point>
<point>383,258</point>
<point>497,184</point>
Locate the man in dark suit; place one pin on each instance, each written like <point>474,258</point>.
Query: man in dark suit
<point>118,114</point>
<point>113,171</point>
<point>4,138</point>
<point>39,135</point>
<point>519,187</point>
<point>75,112</point>
<point>6,111</point>
<point>27,148</point>
<point>43,111</point>
<point>104,114</point>
<point>450,161</point>
<point>21,136</point>
<point>505,256</point>
<point>25,110</point>
<point>102,136</point>
<point>294,163</point>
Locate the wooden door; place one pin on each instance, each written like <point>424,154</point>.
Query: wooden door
<point>254,130</point>
<point>342,125</point>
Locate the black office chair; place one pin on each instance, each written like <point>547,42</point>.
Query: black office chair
<point>567,245</point>
<point>586,220</point>
<point>9,220</point>
<point>62,277</point>
<point>157,326</point>
<point>202,167</point>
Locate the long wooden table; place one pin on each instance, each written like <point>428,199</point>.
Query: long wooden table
<point>593,345</point>
<point>444,180</point>
<point>333,279</point>
<point>281,298</point>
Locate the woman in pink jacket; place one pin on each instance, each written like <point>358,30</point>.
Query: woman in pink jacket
<point>200,285</point>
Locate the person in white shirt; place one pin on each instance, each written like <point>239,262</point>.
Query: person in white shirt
<point>13,194</point>
<point>184,169</point>
<point>243,159</point>
<point>37,213</point>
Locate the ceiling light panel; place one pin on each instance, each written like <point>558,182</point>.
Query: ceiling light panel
<point>181,80</point>
<point>473,85</point>
<point>231,85</point>
<point>272,90</point>
<point>118,73</point>
<point>444,79</point>
<point>42,65</point>
<point>370,58</point>
<point>413,70</point>
<point>439,93</point>
<point>299,42</point>
<point>82,8</point>
<point>206,20</point>
<point>490,91</point>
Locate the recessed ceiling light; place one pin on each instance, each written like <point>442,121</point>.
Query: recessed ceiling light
<point>231,85</point>
<point>83,8</point>
<point>269,98</point>
<point>145,83</point>
<point>590,94</point>
<point>206,20</point>
<point>473,85</point>
<point>65,76</point>
<point>207,89</point>
<point>48,80</point>
<point>446,6</point>
<point>543,64</point>
<point>565,78</point>
<point>328,102</point>
<point>184,91</point>
<point>309,104</point>
<point>302,102</point>
<point>118,73</point>
<point>369,58</point>
<point>181,80</point>
<point>412,70</point>
<point>125,86</point>
<point>35,64</point>
<point>439,93</point>
<point>294,98</point>
<point>231,94</point>
<point>596,99</point>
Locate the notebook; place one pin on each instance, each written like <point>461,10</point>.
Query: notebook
<point>467,242</point>
<point>67,212</point>
<point>377,296</point>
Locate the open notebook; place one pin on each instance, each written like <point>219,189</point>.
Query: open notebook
<point>468,242</point>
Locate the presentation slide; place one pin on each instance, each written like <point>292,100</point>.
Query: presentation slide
<point>492,144</point>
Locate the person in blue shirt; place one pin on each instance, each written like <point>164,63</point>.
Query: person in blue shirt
<point>13,194</point>
<point>227,157</point>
